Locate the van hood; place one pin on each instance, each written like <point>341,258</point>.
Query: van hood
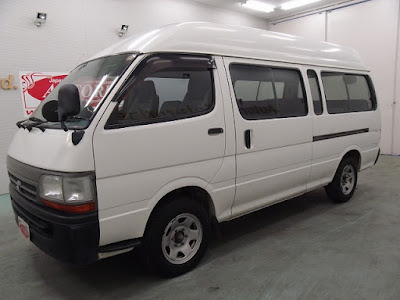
<point>53,150</point>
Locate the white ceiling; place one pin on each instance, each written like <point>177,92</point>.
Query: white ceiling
<point>278,13</point>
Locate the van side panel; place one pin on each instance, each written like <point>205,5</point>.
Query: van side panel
<point>334,135</point>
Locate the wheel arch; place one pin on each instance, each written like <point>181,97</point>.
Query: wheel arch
<point>354,153</point>
<point>338,190</point>
<point>194,190</point>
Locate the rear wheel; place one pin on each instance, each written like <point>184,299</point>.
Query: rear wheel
<point>343,185</point>
<point>177,237</point>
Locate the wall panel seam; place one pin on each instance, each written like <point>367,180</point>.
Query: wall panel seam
<point>397,70</point>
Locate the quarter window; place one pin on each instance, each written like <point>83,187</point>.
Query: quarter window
<point>315,91</point>
<point>347,92</point>
<point>164,88</point>
<point>266,93</point>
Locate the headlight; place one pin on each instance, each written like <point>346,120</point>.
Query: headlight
<point>79,189</point>
<point>51,188</point>
<point>67,193</point>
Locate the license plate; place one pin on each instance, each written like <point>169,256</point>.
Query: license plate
<point>24,229</point>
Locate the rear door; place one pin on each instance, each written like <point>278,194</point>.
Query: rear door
<point>273,132</point>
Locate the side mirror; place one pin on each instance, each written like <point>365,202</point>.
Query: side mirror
<point>69,103</point>
<point>50,111</point>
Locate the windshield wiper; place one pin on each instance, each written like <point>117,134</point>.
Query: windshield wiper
<point>20,124</point>
<point>36,123</point>
<point>71,119</point>
<point>76,118</point>
<point>37,120</point>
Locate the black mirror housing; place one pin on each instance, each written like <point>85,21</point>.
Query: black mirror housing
<point>69,103</point>
<point>50,111</point>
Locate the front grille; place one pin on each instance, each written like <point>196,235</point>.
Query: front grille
<point>25,189</point>
<point>35,223</point>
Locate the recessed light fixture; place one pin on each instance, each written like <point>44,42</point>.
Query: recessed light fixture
<point>258,5</point>
<point>40,19</point>
<point>123,30</point>
<point>296,3</point>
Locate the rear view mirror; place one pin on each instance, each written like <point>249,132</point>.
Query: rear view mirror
<point>69,103</point>
<point>50,111</point>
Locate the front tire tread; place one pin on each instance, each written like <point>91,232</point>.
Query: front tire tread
<point>154,233</point>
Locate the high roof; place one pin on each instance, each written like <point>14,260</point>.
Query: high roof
<point>236,41</point>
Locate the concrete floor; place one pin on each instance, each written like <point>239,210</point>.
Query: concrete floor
<point>305,248</point>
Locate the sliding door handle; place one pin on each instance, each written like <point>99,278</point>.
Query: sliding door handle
<point>247,138</point>
<point>215,131</point>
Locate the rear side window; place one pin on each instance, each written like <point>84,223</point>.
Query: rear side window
<point>165,87</point>
<point>348,92</point>
<point>315,91</point>
<point>267,93</point>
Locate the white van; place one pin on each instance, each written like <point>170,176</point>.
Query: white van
<point>157,138</point>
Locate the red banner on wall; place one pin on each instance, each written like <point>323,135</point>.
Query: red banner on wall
<point>36,86</point>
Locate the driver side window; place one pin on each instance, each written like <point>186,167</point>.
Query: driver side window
<point>165,88</point>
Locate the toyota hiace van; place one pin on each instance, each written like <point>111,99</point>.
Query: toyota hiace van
<point>154,140</point>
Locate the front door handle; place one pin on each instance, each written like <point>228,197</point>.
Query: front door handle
<point>247,138</point>
<point>214,131</point>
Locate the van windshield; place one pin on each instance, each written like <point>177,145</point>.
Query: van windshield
<point>94,80</point>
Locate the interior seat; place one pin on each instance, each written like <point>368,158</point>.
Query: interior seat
<point>199,94</point>
<point>169,108</point>
<point>144,104</point>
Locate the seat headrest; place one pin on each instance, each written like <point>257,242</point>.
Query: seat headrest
<point>146,90</point>
<point>198,85</point>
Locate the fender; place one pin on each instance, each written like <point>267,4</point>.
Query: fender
<point>347,150</point>
<point>174,185</point>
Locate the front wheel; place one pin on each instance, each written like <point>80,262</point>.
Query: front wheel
<point>177,237</point>
<point>343,185</point>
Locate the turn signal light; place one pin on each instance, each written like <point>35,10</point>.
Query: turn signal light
<point>81,208</point>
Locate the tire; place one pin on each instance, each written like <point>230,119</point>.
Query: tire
<point>343,185</point>
<point>177,237</point>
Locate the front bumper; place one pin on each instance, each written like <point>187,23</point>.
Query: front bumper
<point>68,237</point>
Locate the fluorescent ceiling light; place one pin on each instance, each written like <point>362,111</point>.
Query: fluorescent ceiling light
<point>332,50</point>
<point>260,6</point>
<point>296,3</point>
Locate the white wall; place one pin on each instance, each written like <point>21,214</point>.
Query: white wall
<point>372,28</point>
<point>75,30</point>
<point>312,27</point>
<point>396,111</point>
